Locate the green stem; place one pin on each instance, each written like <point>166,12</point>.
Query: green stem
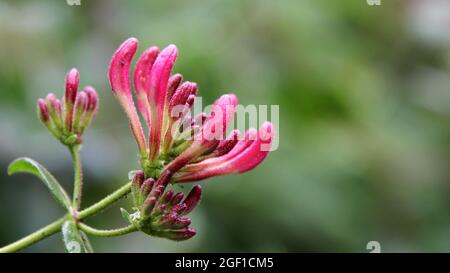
<point>105,202</point>
<point>107,233</point>
<point>78,177</point>
<point>35,236</point>
<point>56,225</point>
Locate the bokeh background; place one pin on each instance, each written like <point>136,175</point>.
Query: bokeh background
<point>364,96</point>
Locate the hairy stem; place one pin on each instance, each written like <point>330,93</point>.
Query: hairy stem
<point>108,232</point>
<point>35,236</point>
<point>78,177</point>
<point>56,225</point>
<point>105,202</point>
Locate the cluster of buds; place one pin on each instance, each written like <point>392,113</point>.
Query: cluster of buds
<point>68,119</point>
<point>180,147</point>
<point>159,212</point>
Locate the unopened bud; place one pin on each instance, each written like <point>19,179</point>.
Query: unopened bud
<point>167,196</point>
<point>54,109</point>
<point>91,108</point>
<point>173,84</point>
<point>152,198</point>
<point>182,94</point>
<point>177,198</point>
<point>146,188</point>
<point>136,183</point>
<point>70,95</point>
<point>179,208</point>
<point>43,112</point>
<point>192,199</point>
<point>81,105</point>
<point>181,222</point>
<point>179,235</point>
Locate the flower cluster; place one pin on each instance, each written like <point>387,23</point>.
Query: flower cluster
<point>68,119</point>
<point>179,148</point>
<point>159,212</point>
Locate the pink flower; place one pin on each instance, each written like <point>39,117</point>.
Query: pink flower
<point>181,148</point>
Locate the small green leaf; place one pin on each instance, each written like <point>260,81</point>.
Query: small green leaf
<point>125,214</point>
<point>75,240</point>
<point>86,242</point>
<point>28,165</point>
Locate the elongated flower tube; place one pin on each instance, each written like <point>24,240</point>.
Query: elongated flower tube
<point>159,78</point>
<point>142,80</point>
<point>241,158</point>
<point>119,78</point>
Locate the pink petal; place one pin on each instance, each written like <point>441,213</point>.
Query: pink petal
<point>159,78</point>
<point>72,81</point>
<point>142,73</point>
<point>119,78</point>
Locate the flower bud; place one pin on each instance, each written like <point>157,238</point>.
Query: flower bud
<point>192,199</point>
<point>173,84</point>
<point>179,208</point>
<point>159,210</point>
<point>91,108</point>
<point>177,198</point>
<point>54,109</point>
<point>70,95</point>
<point>81,105</point>
<point>136,183</point>
<point>182,94</point>
<point>146,187</point>
<point>181,222</point>
<point>179,235</point>
<point>190,101</point>
<point>43,112</point>
<point>167,197</point>
<point>152,197</point>
<point>151,200</point>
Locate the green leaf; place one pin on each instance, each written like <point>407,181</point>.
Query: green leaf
<point>125,214</point>
<point>75,240</point>
<point>28,165</point>
<point>86,242</point>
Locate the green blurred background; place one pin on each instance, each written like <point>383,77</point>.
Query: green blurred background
<point>364,95</point>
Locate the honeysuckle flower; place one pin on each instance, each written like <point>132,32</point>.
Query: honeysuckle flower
<point>178,148</point>
<point>67,120</point>
<point>190,148</point>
